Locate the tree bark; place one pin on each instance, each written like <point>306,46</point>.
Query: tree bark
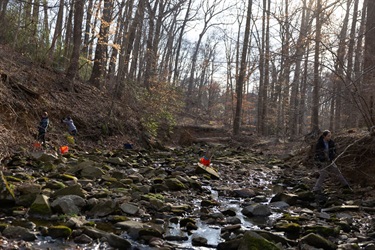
<point>242,72</point>
<point>316,83</point>
<point>77,40</point>
<point>101,46</point>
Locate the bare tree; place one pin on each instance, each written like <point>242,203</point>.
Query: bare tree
<point>209,13</point>
<point>315,96</point>
<point>56,39</point>
<point>242,72</point>
<point>369,63</point>
<point>339,71</point>
<point>77,40</point>
<point>101,46</point>
<point>301,45</point>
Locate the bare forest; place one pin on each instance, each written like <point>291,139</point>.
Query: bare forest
<point>272,67</point>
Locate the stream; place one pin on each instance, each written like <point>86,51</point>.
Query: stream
<point>144,200</point>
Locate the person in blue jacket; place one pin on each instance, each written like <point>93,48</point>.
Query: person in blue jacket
<point>42,129</point>
<point>71,127</point>
<point>325,153</point>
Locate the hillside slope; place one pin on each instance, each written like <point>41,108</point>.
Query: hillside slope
<point>27,89</point>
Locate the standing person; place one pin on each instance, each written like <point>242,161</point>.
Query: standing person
<point>325,153</point>
<point>42,129</point>
<point>71,127</point>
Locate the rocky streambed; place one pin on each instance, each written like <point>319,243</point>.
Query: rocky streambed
<point>137,199</point>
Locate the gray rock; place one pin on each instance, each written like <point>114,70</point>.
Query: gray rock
<point>68,204</point>
<point>14,232</point>
<point>256,210</point>
<point>318,241</point>
<point>129,208</point>
<point>103,208</point>
<point>40,207</point>
<point>83,239</point>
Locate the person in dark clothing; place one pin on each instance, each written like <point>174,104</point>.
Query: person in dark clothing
<point>42,128</point>
<point>325,153</point>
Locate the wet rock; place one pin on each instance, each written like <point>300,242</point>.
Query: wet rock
<point>199,241</point>
<point>244,193</point>
<point>209,203</point>
<point>185,221</point>
<point>151,231</point>
<point>229,212</point>
<point>118,242</point>
<point>229,245</point>
<point>233,220</point>
<point>176,238</point>
<point>231,228</point>
<point>256,210</point>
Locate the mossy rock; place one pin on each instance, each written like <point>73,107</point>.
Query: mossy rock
<point>40,206</point>
<point>174,184</point>
<point>322,230</point>
<point>290,217</point>
<point>118,218</point>
<point>3,226</point>
<point>59,231</point>
<point>288,227</point>
<point>253,241</point>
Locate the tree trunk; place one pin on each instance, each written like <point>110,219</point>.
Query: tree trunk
<point>261,97</point>
<point>77,40</point>
<point>316,83</point>
<point>349,108</point>
<point>101,46</point>
<point>369,63</point>
<point>179,42</point>
<point>56,40</point>
<point>242,72</point>
<point>339,68</point>
<point>301,45</point>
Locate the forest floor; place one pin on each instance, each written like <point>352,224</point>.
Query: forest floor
<point>27,89</point>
